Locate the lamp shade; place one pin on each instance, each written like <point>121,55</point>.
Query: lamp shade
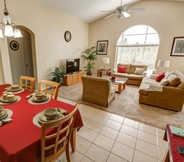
<point>1,34</point>
<point>8,31</point>
<point>17,33</point>
<point>163,63</point>
<point>105,60</point>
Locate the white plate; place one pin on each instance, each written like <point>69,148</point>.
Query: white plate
<point>7,101</point>
<point>9,89</point>
<point>4,115</point>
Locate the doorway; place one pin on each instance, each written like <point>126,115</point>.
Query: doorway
<point>22,55</point>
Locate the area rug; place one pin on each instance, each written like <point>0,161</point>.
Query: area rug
<point>126,104</point>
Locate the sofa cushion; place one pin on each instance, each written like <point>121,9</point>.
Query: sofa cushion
<point>180,75</point>
<point>135,77</point>
<point>181,85</point>
<point>121,69</point>
<point>175,82</point>
<point>164,82</point>
<point>171,77</point>
<point>168,72</point>
<point>133,67</point>
<point>160,77</point>
<point>139,71</point>
<point>126,65</point>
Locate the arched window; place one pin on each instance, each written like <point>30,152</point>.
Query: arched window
<point>138,45</point>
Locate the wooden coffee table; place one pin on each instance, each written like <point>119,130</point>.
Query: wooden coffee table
<point>119,84</point>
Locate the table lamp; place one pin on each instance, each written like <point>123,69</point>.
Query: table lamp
<point>105,61</point>
<point>163,63</point>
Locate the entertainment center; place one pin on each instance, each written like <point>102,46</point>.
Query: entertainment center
<point>70,79</point>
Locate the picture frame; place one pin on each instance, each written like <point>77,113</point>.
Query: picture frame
<point>14,45</point>
<point>102,46</point>
<point>177,47</point>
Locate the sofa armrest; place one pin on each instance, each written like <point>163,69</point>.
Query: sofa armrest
<point>144,74</point>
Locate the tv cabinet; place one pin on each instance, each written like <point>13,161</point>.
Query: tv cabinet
<point>70,79</point>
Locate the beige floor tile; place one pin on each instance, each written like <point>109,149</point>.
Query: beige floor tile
<point>82,108</point>
<point>94,126</point>
<point>162,143</point>
<point>129,130</point>
<point>113,124</point>
<point>85,120</point>
<point>131,123</point>
<point>82,145</point>
<point>117,118</point>
<point>97,153</point>
<point>89,113</point>
<point>100,119</point>
<point>85,159</point>
<point>74,157</point>
<point>161,153</point>
<point>126,139</point>
<point>114,158</point>
<point>141,157</point>
<point>146,148</point>
<point>104,114</point>
<point>160,132</point>
<point>123,151</point>
<point>147,128</point>
<point>150,138</point>
<point>88,134</point>
<point>109,132</point>
<point>104,142</point>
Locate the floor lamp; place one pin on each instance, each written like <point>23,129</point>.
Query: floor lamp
<point>163,63</point>
<point>105,61</point>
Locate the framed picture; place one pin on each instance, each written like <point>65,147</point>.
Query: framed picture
<point>177,46</point>
<point>14,45</point>
<point>102,46</point>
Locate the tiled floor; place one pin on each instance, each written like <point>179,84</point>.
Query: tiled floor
<point>107,137</point>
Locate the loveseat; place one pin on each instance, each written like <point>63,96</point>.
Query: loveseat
<point>134,73</point>
<point>168,92</point>
<point>97,90</point>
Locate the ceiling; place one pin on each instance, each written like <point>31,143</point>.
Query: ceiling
<point>88,10</point>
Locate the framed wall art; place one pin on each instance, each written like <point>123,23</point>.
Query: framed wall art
<point>177,46</point>
<point>14,45</point>
<point>102,47</point>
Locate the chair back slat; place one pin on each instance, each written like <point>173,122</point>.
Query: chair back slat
<point>27,83</point>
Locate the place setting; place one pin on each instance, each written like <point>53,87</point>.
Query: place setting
<point>49,114</point>
<point>8,98</point>
<point>38,98</point>
<point>5,115</point>
<point>15,88</point>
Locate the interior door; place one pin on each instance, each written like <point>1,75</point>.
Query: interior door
<point>28,60</point>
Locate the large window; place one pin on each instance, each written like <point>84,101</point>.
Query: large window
<point>138,45</point>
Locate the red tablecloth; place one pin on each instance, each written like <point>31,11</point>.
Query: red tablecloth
<point>20,139</point>
<point>174,142</point>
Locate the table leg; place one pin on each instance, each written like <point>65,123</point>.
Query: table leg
<point>119,88</point>
<point>73,139</point>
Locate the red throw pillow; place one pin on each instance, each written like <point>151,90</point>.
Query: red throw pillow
<point>160,77</point>
<point>121,69</point>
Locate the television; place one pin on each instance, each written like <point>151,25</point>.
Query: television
<point>72,65</point>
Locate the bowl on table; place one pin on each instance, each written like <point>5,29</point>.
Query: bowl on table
<point>50,113</point>
<point>15,87</point>
<point>10,97</point>
<point>2,112</point>
<point>40,95</point>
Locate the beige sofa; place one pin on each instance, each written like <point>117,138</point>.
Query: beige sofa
<point>97,90</point>
<point>168,93</point>
<point>134,73</point>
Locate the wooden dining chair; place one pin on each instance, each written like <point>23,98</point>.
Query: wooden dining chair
<point>57,142</point>
<point>27,83</point>
<point>49,87</point>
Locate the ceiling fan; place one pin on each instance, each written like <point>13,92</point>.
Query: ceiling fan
<point>122,11</point>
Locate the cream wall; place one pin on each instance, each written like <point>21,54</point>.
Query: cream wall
<point>48,26</point>
<point>167,18</point>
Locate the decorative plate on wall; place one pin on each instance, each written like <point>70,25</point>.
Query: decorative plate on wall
<point>67,36</point>
<point>14,45</point>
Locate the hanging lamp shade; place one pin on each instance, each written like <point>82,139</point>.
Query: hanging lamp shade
<point>17,33</point>
<point>8,31</point>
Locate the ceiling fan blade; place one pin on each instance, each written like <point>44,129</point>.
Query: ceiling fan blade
<point>108,11</point>
<point>110,15</point>
<point>126,14</point>
<point>136,9</point>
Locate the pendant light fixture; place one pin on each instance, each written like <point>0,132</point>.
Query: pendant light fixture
<point>10,29</point>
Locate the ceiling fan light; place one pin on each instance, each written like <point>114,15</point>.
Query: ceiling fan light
<point>8,31</point>
<point>126,14</point>
<point>1,34</point>
<point>17,33</point>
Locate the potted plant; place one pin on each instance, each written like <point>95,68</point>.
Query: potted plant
<point>58,74</point>
<point>90,55</point>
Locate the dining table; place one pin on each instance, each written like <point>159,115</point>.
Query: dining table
<point>20,140</point>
